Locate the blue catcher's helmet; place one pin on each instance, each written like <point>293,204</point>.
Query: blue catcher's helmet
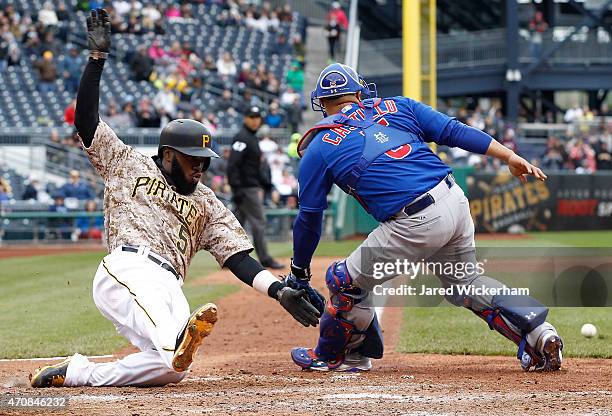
<point>338,79</point>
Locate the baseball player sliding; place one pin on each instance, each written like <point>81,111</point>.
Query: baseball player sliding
<point>157,216</point>
<point>374,149</point>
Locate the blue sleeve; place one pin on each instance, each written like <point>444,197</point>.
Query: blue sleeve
<point>445,130</point>
<point>457,134</point>
<point>306,236</point>
<point>430,121</point>
<point>315,180</point>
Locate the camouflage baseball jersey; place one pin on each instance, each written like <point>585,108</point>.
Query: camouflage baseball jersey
<point>140,207</point>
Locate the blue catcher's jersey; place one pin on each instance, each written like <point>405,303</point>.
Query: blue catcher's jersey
<point>393,179</point>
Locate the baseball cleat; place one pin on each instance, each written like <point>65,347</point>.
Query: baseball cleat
<point>552,356</point>
<point>199,325</point>
<point>272,264</point>
<point>549,358</point>
<point>308,361</point>
<point>354,363</point>
<point>50,375</point>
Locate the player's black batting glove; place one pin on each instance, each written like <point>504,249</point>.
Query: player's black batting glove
<point>99,31</point>
<point>295,302</point>
<point>300,279</point>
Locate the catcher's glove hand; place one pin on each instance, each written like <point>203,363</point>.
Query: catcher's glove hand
<point>296,303</point>
<point>99,31</point>
<point>299,279</point>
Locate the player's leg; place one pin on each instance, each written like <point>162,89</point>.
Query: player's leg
<point>349,334</point>
<point>386,243</point>
<point>142,369</point>
<point>521,319</point>
<point>256,218</point>
<point>145,368</point>
<point>118,301</point>
<point>239,212</point>
<point>160,313</point>
<point>146,305</point>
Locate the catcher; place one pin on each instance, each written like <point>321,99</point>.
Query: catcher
<point>375,150</point>
<point>157,217</point>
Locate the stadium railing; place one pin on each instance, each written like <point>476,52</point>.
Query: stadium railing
<point>488,47</point>
<point>19,223</point>
<point>132,136</point>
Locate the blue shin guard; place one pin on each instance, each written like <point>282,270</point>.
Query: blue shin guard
<point>334,334</point>
<point>336,330</point>
<point>372,345</point>
<point>523,313</point>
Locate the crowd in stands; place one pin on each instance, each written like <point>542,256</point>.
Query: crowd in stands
<point>42,34</point>
<point>178,71</point>
<point>584,144</point>
<point>77,194</point>
<point>20,34</point>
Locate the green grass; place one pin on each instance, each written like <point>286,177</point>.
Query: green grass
<point>342,249</point>
<point>48,308</point>
<point>452,330</point>
<point>339,249</point>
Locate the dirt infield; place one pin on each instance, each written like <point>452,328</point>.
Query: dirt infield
<point>244,367</point>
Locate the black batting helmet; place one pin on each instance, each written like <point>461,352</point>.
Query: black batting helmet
<point>187,136</point>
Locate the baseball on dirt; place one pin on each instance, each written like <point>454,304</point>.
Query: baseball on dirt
<point>588,331</point>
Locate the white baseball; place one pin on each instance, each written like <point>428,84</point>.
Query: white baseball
<point>588,330</point>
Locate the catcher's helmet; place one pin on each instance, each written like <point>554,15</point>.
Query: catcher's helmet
<point>338,79</point>
<point>187,136</point>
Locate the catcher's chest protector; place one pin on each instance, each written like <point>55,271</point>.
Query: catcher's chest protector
<point>378,139</point>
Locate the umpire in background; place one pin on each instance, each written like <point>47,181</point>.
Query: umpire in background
<point>244,172</point>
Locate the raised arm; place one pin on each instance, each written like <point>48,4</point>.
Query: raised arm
<point>451,132</point>
<point>98,37</point>
<point>104,149</point>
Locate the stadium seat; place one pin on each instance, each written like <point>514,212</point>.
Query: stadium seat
<point>244,43</point>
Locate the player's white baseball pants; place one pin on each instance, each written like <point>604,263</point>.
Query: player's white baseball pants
<point>442,232</point>
<point>147,306</point>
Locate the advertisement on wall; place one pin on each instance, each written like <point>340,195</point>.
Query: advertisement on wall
<point>500,203</point>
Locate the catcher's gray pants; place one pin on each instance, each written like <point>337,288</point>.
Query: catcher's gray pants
<point>249,208</point>
<point>442,232</point>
